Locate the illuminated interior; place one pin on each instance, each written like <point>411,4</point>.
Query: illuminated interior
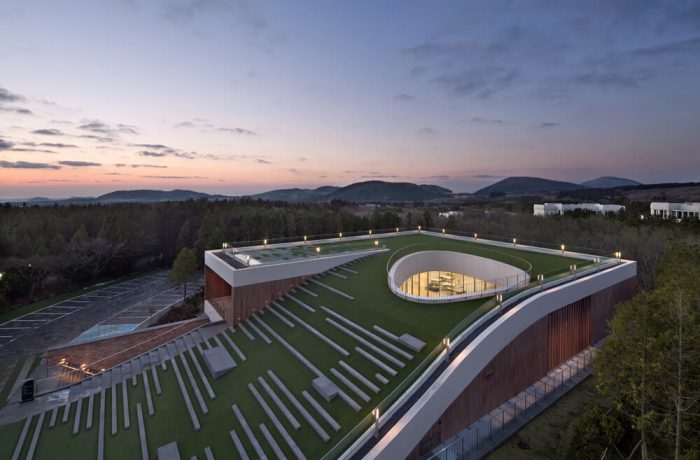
<point>442,284</point>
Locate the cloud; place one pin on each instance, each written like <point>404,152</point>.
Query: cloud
<point>486,121</point>
<point>487,176</point>
<point>184,124</point>
<point>376,175</point>
<point>302,159</point>
<point>100,127</point>
<point>404,97</point>
<point>438,177</point>
<point>6,145</point>
<point>78,164</point>
<point>7,96</point>
<point>294,171</point>
<point>240,11</point>
<point>481,82</point>
<point>609,79</point>
<point>243,131</point>
<point>263,161</point>
<point>48,132</point>
<point>167,151</point>
<point>175,177</point>
<point>26,165</point>
<point>151,146</point>
<point>58,145</point>
<point>17,110</point>
<point>549,124</point>
<point>147,153</point>
<point>426,131</point>
<point>139,165</point>
<point>102,139</point>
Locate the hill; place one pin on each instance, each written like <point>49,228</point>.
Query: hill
<point>297,195</point>
<point>150,196</point>
<point>361,192</point>
<point>527,185</point>
<point>610,182</point>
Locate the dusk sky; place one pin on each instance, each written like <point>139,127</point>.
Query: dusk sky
<point>238,97</point>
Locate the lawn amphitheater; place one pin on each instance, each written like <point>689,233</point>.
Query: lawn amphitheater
<point>319,338</point>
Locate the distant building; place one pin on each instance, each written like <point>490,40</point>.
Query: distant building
<point>549,209</point>
<point>449,214</point>
<point>676,210</point>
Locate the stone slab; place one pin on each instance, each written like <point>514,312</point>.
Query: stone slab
<point>325,388</point>
<point>169,452</point>
<point>411,342</point>
<point>218,361</point>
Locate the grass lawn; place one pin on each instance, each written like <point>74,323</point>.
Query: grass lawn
<point>551,433</point>
<point>5,393</point>
<point>32,307</point>
<point>374,304</point>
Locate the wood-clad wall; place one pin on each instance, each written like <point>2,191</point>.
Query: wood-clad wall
<point>236,304</point>
<point>603,306</point>
<point>541,347</point>
<point>214,285</point>
<point>507,374</point>
<point>568,331</point>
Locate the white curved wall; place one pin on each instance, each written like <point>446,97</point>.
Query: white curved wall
<point>505,276</point>
<point>403,436</point>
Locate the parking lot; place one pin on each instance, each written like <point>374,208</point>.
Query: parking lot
<point>118,294</point>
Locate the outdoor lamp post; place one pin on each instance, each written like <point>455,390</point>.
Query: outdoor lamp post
<point>265,242</point>
<point>563,247</point>
<point>476,236</point>
<point>318,250</point>
<point>304,239</point>
<point>515,240</point>
<point>375,413</point>
<point>397,229</point>
<point>446,344</point>
<point>370,232</point>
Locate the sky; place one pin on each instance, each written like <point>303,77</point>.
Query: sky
<point>238,97</point>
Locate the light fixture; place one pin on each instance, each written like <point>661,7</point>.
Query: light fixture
<point>476,236</point>
<point>340,235</point>
<point>224,245</point>
<point>1,275</point>
<point>443,231</point>
<point>515,240</point>
<point>304,238</point>
<point>376,242</point>
<point>397,229</point>
<point>563,248</point>
<point>265,242</point>
<point>419,228</point>
<point>370,232</point>
<point>375,413</point>
<point>318,249</point>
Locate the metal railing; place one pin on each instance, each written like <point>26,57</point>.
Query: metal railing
<point>487,431</point>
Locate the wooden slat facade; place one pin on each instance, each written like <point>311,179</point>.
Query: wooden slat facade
<point>541,347</point>
<point>236,304</point>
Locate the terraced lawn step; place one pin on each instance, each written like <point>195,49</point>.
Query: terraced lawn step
<point>271,441</point>
<point>280,317</point>
<point>336,274</point>
<point>354,388</point>
<point>366,343</point>
<point>37,433</point>
<point>321,411</point>
<point>246,331</point>
<point>248,432</point>
<point>386,333</point>
<point>381,378</point>
<point>332,289</point>
<point>278,402</point>
<point>76,420</point>
<point>54,414</point>
<point>22,437</point>
<point>239,445</point>
<point>362,330</point>
<point>257,330</point>
<point>202,375</point>
<point>302,304</point>
<point>142,432</point>
<point>91,405</point>
<point>186,397</point>
<point>315,332</point>
<point>234,346</point>
<point>345,269</point>
<point>101,428</point>
<point>208,454</point>
<point>298,406</point>
<point>125,404</point>
<point>147,390</point>
<point>193,385</point>
<point>364,380</point>
<point>276,422</point>
<point>306,291</point>
<point>376,361</point>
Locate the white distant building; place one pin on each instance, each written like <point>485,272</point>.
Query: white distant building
<point>449,214</point>
<point>549,209</point>
<point>676,210</point>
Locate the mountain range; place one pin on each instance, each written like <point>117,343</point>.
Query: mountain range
<point>360,192</point>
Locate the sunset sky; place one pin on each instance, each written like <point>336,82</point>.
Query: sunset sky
<point>238,97</point>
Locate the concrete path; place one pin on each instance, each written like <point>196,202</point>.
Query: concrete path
<point>333,290</point>
<point>91,405</point>
<point>194,386</point>
<point>125,404</point>
<point>280,317</point>
<point>246,331</point>
<point>257,330</point>
<point>202,375</point>
<point>271,441</point>
<point>54,414</point>
<point>233,345</point>
<point>354,388</point>
<point>186,397</point>
<point>76,419</point>
<point>278,402</point>
<point>101,428</point>
<point>114,408</point>
<point>147,390</point>
<point>306,291</point>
